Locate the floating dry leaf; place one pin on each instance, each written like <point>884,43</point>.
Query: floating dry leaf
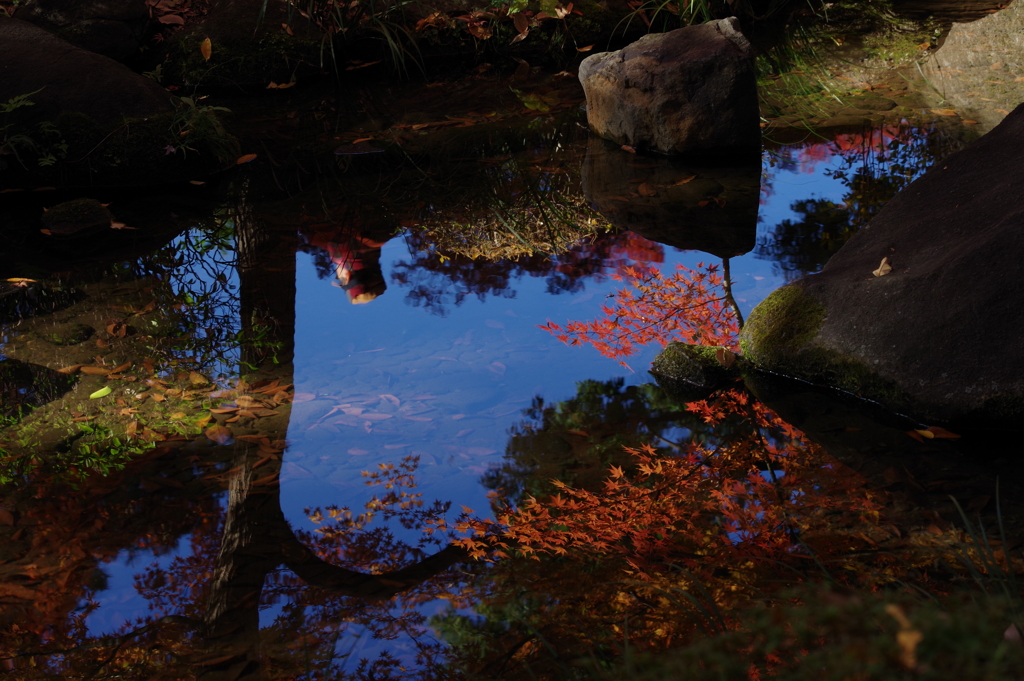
<point>883,269</point>
<point>626,147</point>
<point>219,434</point>
<point>646,190</point>
<point>244,159</point>
<point>261,413</point>
<point>587,48</point>
<point>725,357</point>
<point>684,180</point>
<point>206,49</point>
<point>70,370</point>
<point>943,112</point>
<point>942,433</point>
<point>196,378</point>
<point>96,371</point>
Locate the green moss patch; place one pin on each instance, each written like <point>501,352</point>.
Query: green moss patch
<point>780,326</point>
<point>779,337</point>
<point>690,372</point>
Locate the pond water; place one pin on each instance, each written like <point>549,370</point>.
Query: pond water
<point>367,334</point>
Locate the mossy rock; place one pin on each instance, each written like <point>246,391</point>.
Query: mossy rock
<point>688,373</point>
<point>65,334</point>
<point>780,337</point>
<point>781,326</point>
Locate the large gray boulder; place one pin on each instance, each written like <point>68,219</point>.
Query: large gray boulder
<point>692,89</point>
<point>938,336</point>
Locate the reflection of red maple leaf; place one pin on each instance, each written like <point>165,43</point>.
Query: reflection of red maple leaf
<point>689,306</point>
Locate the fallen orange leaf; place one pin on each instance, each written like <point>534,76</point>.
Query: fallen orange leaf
<point>219,434</point>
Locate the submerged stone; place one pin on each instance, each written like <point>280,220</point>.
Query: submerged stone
<point>938,334</point>
<point>73,217</point>
<point>65,334</point>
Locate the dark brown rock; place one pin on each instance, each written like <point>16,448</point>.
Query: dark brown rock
<point>692,89</point>
<point>71,79</point>
<point>112,28</point>
<point>939,336</point>
<point>59,13</point>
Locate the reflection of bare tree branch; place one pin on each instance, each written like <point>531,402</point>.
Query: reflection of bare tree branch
<point>324,575</point>
<point>727,279</point>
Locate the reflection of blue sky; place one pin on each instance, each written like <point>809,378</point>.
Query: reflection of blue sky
<point>460,382</point>
<point>210,282</point>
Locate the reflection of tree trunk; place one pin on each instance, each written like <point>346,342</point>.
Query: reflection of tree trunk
<point>232,618</point>
<point>257,537</point>
<point>266,275</point>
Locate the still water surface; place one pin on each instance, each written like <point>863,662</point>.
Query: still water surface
<point>441,362</point>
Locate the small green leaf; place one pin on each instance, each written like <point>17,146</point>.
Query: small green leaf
<point>102,392</point>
